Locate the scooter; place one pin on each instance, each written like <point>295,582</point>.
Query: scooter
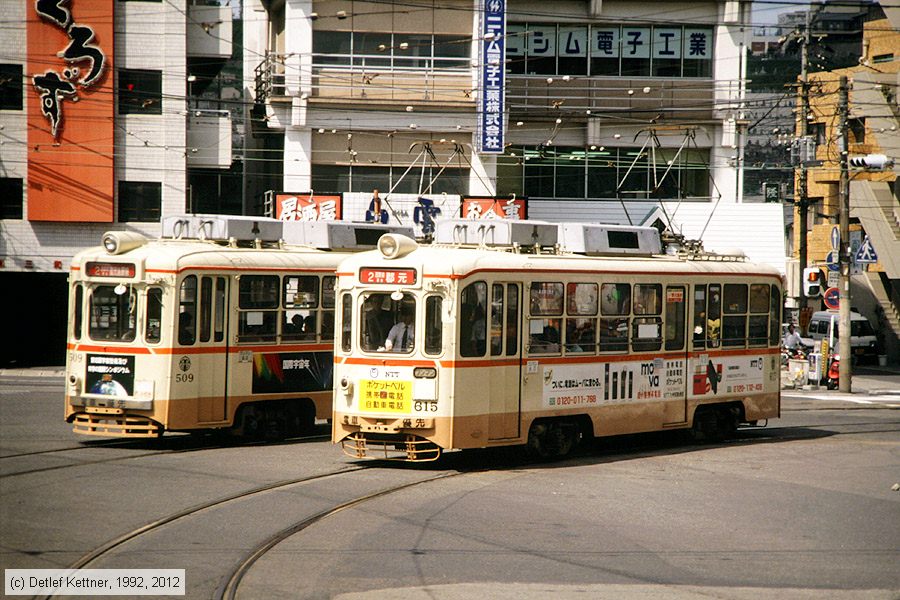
<point>834,372</point>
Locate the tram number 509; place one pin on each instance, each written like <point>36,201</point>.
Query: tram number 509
<point>184,377</point>
<point>425,406</point>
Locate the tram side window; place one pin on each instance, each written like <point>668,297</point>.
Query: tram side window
<point>647,325</point>
<point>112,315</point>
<point>78,308</point>
<point>675,317</point>
<point>734,322</point>
<point>328,292</point>
<point>615,306</point>
<point>301,303</point>
<point>512,319</point>
<point>699,316</point>
<point>433,325</point>
<point>221,296</point>
<point>497,319</point>
<point>187,311</point>
<point>346,316</point>
<point>472,322</point>
<point>775,303</point>
<point>545,300</point>
<point>581,322</point>
<point>206,287</point>
<point>714,316</point>
<point>758,321</point>
<point>258,297</point>
<point>153,321</point>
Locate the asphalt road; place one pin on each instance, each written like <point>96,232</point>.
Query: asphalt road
<point>803,508</point>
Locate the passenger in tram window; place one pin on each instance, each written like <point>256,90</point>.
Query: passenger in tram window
<point>309,327</point>
<point>377,322</point>
<point>478,330</point>
<point>401,337</point>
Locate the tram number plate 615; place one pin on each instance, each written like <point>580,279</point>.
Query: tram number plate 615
<point>425,406</point>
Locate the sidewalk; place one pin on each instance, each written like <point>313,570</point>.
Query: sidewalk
<point>870,380</point>
<point>33,372</point>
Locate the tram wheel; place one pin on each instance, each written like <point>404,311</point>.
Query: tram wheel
<point>553,439</point>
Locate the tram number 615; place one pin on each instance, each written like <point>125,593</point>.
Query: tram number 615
<point>184,377</point>
<point>425,406</point>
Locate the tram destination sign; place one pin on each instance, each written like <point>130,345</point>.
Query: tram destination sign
<point>387,276</point>
<point>102,269</point>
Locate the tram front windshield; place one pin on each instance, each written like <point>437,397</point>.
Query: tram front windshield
<point>387,322</point>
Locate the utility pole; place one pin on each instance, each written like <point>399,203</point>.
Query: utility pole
<point>844,382</point>
<point>802,133</point>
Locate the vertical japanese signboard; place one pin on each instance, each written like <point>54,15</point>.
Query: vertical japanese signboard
<point>70,110</point>
<point>493,76</point>
<point>307,207</point>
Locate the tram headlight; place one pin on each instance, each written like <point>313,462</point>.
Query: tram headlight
<point>392,245</point>
<point>117,242</point>
<point>346,386</point>
<point>424,372</point>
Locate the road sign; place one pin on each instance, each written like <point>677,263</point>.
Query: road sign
<point>834,278</point>
<point>832,298</point>
<point>833,261</point>
<point>836,238</point>
<point>866,253</point>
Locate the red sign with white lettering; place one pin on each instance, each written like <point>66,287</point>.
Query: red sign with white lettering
<point>95,269</point>
<point>387,276</point>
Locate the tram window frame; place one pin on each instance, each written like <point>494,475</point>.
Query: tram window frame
<point>497,321</point>
<point>546,299</point>
<point>615,312</point>
<point>119,305</point>
<point>205,309</point>
<point>582,306</point>
<point>775,304</point>
<point>153,311</point>
<point>675,316</point>
<point>346,322</point>
<point>699,331</point>
<point>78,307</point>
<point>329,294</point>
<point>512,319</point>
<point>220,299</point>
<point>544,336</point>
<point>734,317</point>
<point>258,306</point>
<point>713,329</point>
<point>302,297</point>
<point>646,326</point>
<point>473,320</point>
<point>187,311</point>
<point>434,334</point>
<point>758,315</point>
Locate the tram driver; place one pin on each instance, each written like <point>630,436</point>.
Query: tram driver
<point>402,334</point>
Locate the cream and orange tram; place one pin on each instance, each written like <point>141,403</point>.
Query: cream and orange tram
<point>509,340</point>
<point>222,323</point>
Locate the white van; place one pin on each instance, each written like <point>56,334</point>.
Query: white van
<point>863,342</point>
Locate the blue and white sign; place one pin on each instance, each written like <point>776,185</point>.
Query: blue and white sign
<point>833,260</point>
<point>493,76</point>
<point>836,238</point>
<point>866,252</point>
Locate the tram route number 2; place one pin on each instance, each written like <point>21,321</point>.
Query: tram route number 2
<point>425,406</point>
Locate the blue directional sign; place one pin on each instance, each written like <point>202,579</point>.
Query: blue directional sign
<point>866,252</point>
<point>833,261</point>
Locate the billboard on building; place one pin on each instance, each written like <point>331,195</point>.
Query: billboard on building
<point>308,207</point>
<point>494,208</point>
<point>492,77</point>
<point>71,110</point>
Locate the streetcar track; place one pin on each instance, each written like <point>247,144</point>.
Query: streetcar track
<point>104,549</point>
<point>228,588</point>
<point>134,456</point>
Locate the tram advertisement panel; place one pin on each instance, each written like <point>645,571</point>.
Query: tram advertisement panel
<point>110,375</point>
<point>575,386</point>
<point>292,372</point>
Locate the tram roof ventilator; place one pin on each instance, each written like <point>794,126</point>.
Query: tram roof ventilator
<point>595,239</point>
<point>234,229</point>
<point>499,232</point>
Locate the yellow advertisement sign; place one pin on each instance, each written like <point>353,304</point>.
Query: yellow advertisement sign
<point>378,395</point>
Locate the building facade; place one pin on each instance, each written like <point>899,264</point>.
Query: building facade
<point>98,132</point>
<point>873,194</point>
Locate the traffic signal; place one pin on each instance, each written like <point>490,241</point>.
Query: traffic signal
<point>871,161</point>
<point>812,282</point>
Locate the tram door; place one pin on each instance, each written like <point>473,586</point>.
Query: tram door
<point>676,364</point>
<point>212,343</point>
<point>505,349</point>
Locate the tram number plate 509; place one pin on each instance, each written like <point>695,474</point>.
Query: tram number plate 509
<point>425,406</point>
